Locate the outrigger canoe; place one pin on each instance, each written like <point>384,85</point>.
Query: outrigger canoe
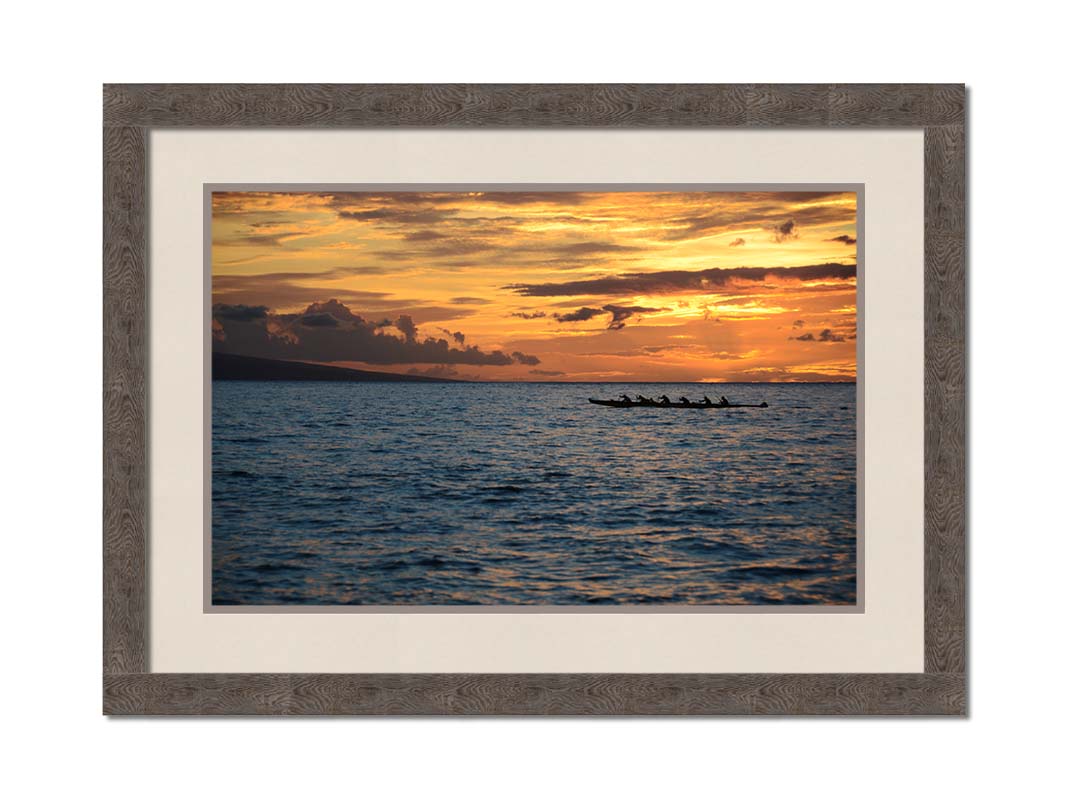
<point>654,404</point>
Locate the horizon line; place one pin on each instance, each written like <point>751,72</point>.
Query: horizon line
<point>462,380</point>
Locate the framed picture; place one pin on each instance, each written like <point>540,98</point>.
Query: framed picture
<point>534,399</point>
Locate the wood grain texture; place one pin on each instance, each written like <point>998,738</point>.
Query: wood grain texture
<point>509,694</point>
<point>531,105</point>
<point>891,105</point>
<point>945,437</point>
<point>799,105</point>
<point>131,110</point>
<point>125,468</point>
<point>422,105</point>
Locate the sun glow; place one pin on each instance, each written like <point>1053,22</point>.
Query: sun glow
<point>531,285</point>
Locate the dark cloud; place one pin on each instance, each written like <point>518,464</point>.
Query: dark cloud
<point>738,242</point>
<point>369,214</point>
<point>285,289</point>
<point>825,335</point>
<point>673,281</point>
<point>470,301</point>
<point>406,326</point>
<point>399,215</point>
<point>523,358</point>
<point>848,327</point>
<point>581,315</point>
<point>349,338</point>
<point>319,321</point>
<point>799,323</point>
<point>334,308</point>
<point>464,244</point>
<point>423,236</point>
<point>844,238</point>
<point>549,373</point>
<point>362,271</point>
<point>238,313</point>
<point>786,231</point>
<point>456,335</point>
<point>619,315</point>
<point>528,315</point>
<point>725,213</point>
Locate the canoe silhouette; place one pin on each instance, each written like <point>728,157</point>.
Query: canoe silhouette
<point>654,404</point>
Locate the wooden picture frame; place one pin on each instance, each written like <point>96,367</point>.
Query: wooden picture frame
<point>131,111</point>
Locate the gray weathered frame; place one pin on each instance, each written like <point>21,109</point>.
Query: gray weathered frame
<point>132,110</point>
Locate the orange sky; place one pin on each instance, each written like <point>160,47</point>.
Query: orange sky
<point>531,285</point>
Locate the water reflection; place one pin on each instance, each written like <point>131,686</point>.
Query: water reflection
<point>438,494</point>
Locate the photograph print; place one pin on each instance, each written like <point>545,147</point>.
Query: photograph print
<point>602,398</point>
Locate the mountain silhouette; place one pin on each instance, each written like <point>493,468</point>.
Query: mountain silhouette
<point>229,367</point>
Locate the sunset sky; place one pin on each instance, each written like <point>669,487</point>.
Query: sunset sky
<point>534,285</point>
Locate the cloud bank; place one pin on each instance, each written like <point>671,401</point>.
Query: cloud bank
<point>677,281</point>
<point>331,332</point>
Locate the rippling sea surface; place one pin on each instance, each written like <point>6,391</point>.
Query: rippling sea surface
<point>520,493</point>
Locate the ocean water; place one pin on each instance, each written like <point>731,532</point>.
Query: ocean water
<point>518,493</point>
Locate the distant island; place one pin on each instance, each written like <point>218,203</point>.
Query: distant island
<point>228,367</point>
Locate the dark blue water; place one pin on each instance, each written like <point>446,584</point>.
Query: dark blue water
<point>443,494</point>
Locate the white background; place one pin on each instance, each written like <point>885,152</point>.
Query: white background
<point>55,58</point>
